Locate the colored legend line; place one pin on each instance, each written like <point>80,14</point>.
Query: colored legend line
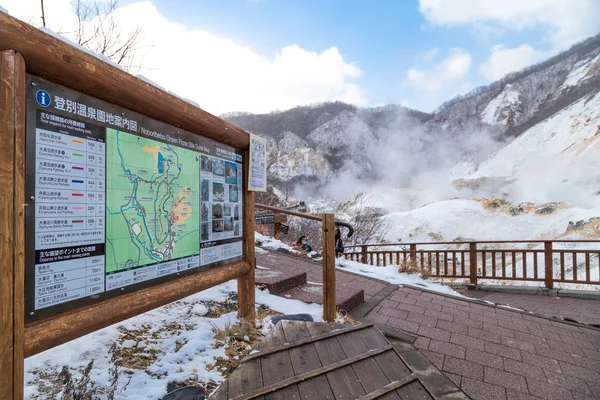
<point>77,208</point>
<point>77,221</point>
<point>77,194</point>
<point>77,155</point>
<point>78,168</point>
<point>77,180</point>
<point>78,141</point>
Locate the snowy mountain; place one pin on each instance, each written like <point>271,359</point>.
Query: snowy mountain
<point>399,147</point>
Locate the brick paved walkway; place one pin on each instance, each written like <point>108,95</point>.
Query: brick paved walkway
<point>581,310</point>
<point>494,353</point>
<point>314,273</point>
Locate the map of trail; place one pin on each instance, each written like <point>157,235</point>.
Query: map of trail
<point>152,202</point>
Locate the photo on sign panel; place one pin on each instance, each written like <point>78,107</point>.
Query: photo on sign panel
<point>233,193</point>
<point>218,167</point>
<point>205,190</point>
<point>217,210</point>
<point>236,229</point>
<point>231,174</point>
<point>204,212</point>
<point>236,212</point>
<point>228,222</point>
<point>217,226</point>
<point>218,191</point>
<point>206,163</point>
<point>204,234</point>
<point>227,210</point>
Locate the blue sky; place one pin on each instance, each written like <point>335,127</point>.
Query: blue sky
<point>264,55</point>
<point>384,38</point>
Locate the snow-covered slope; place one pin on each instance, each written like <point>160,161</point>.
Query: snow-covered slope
<point>504,109</point>
<point>557,159</point>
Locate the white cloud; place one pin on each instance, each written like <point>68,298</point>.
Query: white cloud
<point>215,72</point>
<point>447,73</point>
<point>503,61</point>
<point>569,20</point>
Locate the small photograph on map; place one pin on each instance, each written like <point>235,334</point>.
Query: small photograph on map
<point>228,224</point>
<point>204,213</point>
<point>236,212</point>
<point>227,210</point>
<point>217,210</point>
<point>205,231</point>
<point>236,229</point>
<point>206,163</point>
<point>233,193</point>
<point>218,167</point>
<point>218,191</point>
<point>231,172</point>
<point>205,190</point>
<point>217,226</point>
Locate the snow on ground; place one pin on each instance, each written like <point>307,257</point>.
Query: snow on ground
<point>555,160</point>
<point>269,243</point>
<point>390,274</point>
<point>177,335</point>
<point>451,219</point>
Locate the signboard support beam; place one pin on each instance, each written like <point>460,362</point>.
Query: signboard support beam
<point>329,299</point>
<point>12,188</point>
<point>246,288</point>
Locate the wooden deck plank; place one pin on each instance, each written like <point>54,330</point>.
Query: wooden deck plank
<point>343,382</point>
<point>368,371</point>
<point>390,363</point>
<point>305,359</point>
<point>309,339</point>
<point>245,379</point>
<point>278,366</point>
<point>384,391</point>
<point>414,390</point>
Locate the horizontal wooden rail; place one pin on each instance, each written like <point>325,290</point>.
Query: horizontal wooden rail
<point>480,260</point>
<point>288,212</point>
<point>53,331</point>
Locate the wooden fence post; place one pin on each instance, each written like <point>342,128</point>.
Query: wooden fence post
<point>413,253</point>
<point>246,294</point>
<point>364,255</point>
<point>548,261</point>
<point>12,224</point>
<point>329,295</point>
<point>473,262</point>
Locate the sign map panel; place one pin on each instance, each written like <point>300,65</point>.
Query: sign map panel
<point>118,201</point>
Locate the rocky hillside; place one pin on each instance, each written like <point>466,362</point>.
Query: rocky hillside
<point>396,144</point>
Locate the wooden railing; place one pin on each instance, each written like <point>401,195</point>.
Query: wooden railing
<point>565,261</point>
<point>328,225</point>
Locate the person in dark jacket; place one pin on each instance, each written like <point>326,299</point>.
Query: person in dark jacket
<point>339,244</point>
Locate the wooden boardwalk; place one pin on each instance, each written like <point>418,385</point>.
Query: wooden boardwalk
<point>300,360</point>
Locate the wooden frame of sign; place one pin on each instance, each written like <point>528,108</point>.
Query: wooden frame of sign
<point>30,57</point>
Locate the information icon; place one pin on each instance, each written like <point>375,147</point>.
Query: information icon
<point>43,98</point>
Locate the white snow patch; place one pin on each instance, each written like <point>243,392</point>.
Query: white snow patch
<point>390,274</point>
<point>200,309</point>
<point>190,362</point>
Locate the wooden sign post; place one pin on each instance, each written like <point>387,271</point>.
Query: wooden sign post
<point>90,152</point>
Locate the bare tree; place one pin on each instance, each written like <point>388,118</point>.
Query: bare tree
<point>370,226</point>
<point>43,14</point>
<point>98,31</point>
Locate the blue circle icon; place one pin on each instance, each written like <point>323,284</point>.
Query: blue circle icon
<point>43,98</point>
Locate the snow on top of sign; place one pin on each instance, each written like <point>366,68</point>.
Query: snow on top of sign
<point>78,46</point>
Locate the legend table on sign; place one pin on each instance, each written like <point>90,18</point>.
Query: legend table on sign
<point>70,194</point>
